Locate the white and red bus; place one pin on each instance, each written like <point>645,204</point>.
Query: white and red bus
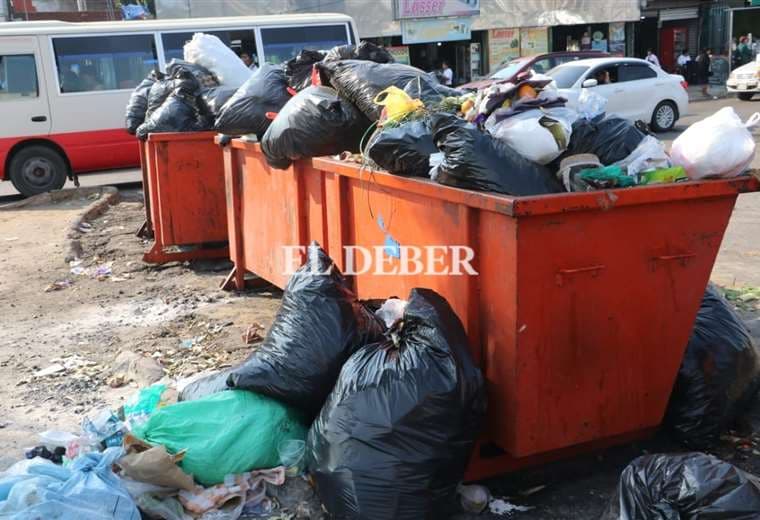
<point>64,86</point>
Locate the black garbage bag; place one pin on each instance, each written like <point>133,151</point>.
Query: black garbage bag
<point>207,385</point>
<point>611,138</point>
<point>429,90</point>
<point>246,111</point>
<point>299,69</point>
<point>194,78</point>
<point>214,98</point>
<point>719,375</point>
<point>364,51</point>
<point>688,486</point>
<point>477,161</point>
<point>314,122</point>
<point>395,435</point>
<point>138,103</point>
<point>158,93</point>
<point>179,113</point>
<point>404,149</point>
<point>360,81</point>
<point>318,326</point>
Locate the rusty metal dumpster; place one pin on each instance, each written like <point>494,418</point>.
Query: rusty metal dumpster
<point>184,197</point>
<point>581,307</point>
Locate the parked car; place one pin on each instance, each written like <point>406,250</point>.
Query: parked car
<point>541,63</point>
<point>744,81</point>
<point>635,89</point>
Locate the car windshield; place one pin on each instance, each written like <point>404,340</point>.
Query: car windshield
<point>565,77</point>
<point>510,70</point>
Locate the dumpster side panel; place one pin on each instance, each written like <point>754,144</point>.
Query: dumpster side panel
<point>607,300</point>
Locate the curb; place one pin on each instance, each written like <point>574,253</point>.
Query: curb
<point>109,196</point>
<point>53,197</point>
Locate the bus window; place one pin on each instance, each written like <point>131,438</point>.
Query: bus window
<point>284,43</point>
<point>112,62</point>
<point>239,41</point>
<point>18,77</point>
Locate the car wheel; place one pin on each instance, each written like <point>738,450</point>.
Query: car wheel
<point>745,96</point>
<point>664,116</point>
<point>37,169</point>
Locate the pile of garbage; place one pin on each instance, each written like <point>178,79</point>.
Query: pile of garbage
<point>378,403</point>
<point>517,138</point>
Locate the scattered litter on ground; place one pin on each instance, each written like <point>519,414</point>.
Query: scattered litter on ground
<point>501,507</point>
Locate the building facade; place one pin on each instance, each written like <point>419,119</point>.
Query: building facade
<point>473,36</point>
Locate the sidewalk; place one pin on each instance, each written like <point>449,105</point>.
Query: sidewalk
<point>695,93</point>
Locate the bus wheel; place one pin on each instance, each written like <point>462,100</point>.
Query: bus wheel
<point>37,169</point>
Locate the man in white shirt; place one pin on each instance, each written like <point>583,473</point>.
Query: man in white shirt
<point>247,59</point>
<point>447,73</point>
<point>682,62</point>
<point>652,58</point>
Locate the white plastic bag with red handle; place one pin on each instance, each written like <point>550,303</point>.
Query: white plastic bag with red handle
<point>718,146</point>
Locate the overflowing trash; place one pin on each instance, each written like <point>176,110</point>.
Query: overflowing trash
<point>689,485</point>
<point>137,105</point>
<point>394,437</point>
<point>210,52</point>
<point>719,375</point>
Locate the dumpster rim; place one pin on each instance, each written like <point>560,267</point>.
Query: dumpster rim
<point>180,136</point>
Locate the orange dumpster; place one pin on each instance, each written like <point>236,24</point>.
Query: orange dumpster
<point>183,183</point>
<point>581,307</point>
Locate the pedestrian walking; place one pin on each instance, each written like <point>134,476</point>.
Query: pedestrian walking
<point>704,60</point>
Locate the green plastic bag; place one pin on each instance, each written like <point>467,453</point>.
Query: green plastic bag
<point>225,433</point>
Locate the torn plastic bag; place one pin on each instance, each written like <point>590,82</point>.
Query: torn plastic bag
<point>538,135</point>
<point>395,435</point>
<point>179,113</point>
<point>298,70</point>
<point>688,486</point>
<point>314,122</point>
<point>611,139</point>
<point>246,112</point>
<point>360,81</point>
<point>429,90</point>
<point>719,375</point>
<point>223,434</point>
<point>138,103</point>
<point>210,52</point>
<point>365,51</point>
<point>319,324</point>
<point>478,161</point>
<point>404,149</point>
<point>87,489</point>
<point>717,146</point>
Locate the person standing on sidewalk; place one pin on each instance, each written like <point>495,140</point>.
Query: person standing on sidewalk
<point>652,58</point>
<point>705,71</point>
<point>683,62</point>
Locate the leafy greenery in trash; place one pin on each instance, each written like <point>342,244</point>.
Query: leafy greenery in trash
<point>744,298</point>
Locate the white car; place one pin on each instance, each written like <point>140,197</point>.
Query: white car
<point>744,81</point>
<point>635,89</point>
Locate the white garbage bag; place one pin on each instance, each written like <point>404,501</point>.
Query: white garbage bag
<point>590,104</point>
<point>717,146</point>
<point>209,51</point>
<point>648,155</point>
<point>538,135</point>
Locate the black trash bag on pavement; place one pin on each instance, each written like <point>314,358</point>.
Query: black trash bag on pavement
<point>719,375</point>
<point>404,149</point>
<point>138,104</point>
<point>246,111</point>
<point>395,435</point>
<point>318,326</point>
<point>298,70</point>
<point>314,122</point>
<point>360,81</point>
<point>207,385</point>
<point>365,51</point>
<point>429,90</point>
<point>611,138</point>
<point>179,113</point>
<point>687,486</point>
<point>477,161</point>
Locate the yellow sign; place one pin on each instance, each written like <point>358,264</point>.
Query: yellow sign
<point>534,40</point>
<point>503,46</point>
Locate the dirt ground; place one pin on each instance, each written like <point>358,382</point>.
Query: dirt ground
<point>111,323</point>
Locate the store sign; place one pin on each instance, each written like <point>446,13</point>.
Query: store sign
<point>534,40</point>
<point>439,30</point>
<point>405,9</point>
<point>503,46</point>
<point>400,53</point>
